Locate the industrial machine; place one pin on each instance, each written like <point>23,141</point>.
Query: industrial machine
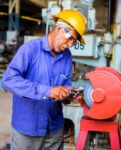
<point>103,85</point>
<point>102,46</point>
<point>102,96</point>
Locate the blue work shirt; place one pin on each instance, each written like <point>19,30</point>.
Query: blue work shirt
<point>30,76</point>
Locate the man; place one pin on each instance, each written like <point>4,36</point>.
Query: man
<point>39,76</point>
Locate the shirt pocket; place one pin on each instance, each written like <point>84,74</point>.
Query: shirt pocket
<point>60,79</point>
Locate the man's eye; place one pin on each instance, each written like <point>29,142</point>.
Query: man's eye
<point>71,38</point>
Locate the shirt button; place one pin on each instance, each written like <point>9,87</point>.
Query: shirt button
<point>44,97</point>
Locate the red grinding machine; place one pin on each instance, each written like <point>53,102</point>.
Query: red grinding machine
<point>102,97</point>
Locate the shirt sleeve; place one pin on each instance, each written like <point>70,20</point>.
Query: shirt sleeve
<point>13,79</point>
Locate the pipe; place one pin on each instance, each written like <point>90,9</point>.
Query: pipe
<point>24,17</point>
<point>115,12</point>
<point>109,16</point>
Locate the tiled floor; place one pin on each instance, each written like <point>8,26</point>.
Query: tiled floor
<point>5,117</point>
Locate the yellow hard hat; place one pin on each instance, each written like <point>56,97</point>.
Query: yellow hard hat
<point>75,19</point>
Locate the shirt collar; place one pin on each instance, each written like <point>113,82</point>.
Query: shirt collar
<point>45,43</point>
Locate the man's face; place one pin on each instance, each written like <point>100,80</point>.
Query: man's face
<point>64,39</point>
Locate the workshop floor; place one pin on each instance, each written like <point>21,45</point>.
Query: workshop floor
<point>5,117</point>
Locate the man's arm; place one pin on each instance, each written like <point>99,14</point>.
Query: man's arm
<point>13,79</point>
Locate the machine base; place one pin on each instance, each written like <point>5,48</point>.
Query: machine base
<point>99,126</point>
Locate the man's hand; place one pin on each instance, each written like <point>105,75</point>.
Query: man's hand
<point>76,94</point>
<point>59,93</point>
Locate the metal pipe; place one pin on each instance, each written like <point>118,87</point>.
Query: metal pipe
<point>18,7</point>
<point>109,16</point>
<point>115,12</point>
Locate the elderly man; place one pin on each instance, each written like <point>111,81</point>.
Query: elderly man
<point>39,76</point>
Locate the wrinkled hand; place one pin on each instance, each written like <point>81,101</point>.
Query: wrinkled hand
<point>59,93</point>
